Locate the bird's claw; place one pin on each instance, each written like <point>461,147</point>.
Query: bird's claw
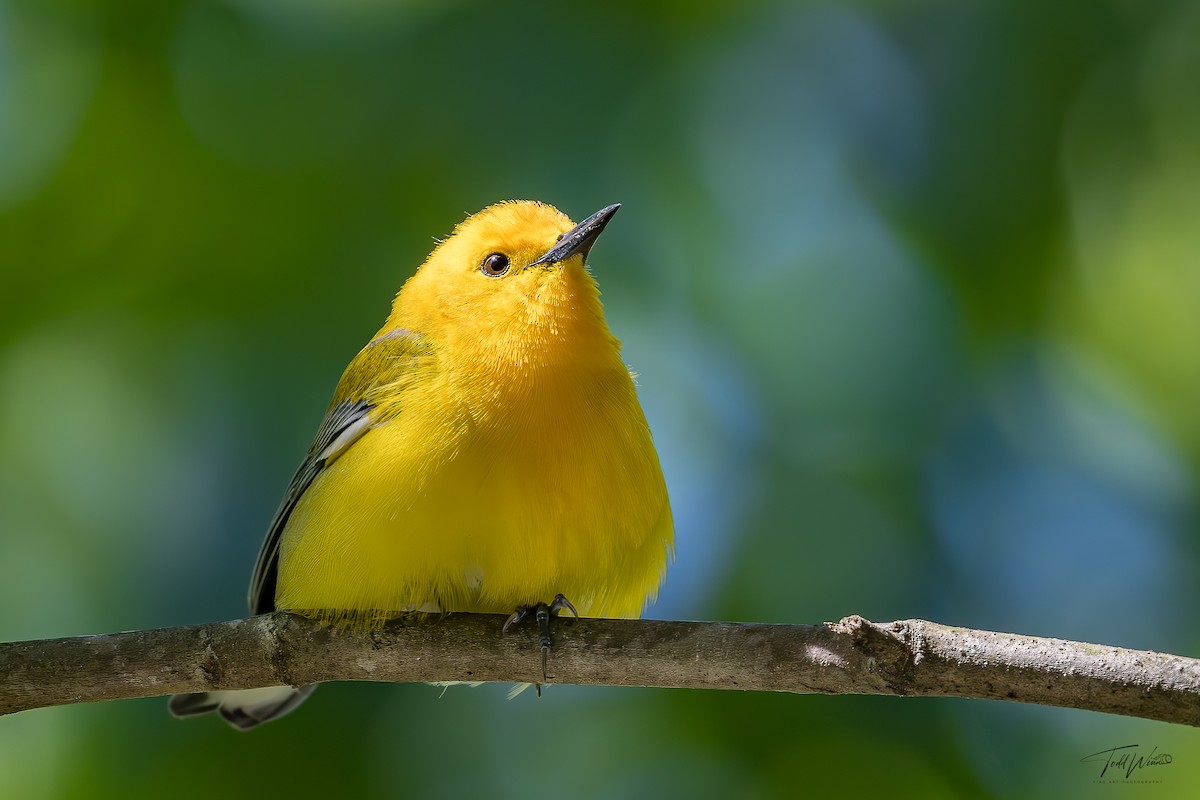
<point>542,613</point>
<point>521,613</point>
<point>560,603</point>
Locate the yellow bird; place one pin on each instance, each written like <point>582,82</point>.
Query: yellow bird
<point>484,452</point>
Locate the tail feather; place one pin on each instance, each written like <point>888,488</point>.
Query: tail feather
<point>242,708</point>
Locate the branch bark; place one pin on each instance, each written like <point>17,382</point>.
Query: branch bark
<point>852,656</point>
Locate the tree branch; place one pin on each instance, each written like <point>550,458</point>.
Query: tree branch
<point>853,656</point>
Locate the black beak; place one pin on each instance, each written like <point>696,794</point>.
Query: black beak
<point>579,239</point>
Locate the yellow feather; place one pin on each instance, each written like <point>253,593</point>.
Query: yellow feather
<point>506,459</point>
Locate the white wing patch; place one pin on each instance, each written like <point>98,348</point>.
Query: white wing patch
<point>346,437</point>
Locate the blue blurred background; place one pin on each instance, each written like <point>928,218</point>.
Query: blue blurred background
<point>912,289</point>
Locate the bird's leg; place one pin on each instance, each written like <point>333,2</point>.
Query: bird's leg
<point>542,613</point>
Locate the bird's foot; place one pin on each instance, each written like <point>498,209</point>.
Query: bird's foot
<point>542,613</point>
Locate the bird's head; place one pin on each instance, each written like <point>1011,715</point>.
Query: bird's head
<point>512,275</point>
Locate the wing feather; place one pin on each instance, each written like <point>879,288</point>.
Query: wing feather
<point>382,363</point>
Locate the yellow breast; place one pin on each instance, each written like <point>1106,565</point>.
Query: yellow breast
<point>444,508</point>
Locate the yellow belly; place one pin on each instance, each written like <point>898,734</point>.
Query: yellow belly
<point>437,509</point>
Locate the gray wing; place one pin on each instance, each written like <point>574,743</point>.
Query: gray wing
<point>382,363</point>
<point>342,426</point>
<point>385,362</point>
<point>246,709</point>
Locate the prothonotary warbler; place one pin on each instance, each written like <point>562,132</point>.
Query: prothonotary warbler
<point>484,452</point>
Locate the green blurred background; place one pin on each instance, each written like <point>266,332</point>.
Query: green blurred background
<point>913,290</point>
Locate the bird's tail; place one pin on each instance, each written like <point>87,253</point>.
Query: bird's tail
<point>242,708</point>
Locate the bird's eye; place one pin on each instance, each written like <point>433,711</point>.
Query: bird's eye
<point>494,265</point>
